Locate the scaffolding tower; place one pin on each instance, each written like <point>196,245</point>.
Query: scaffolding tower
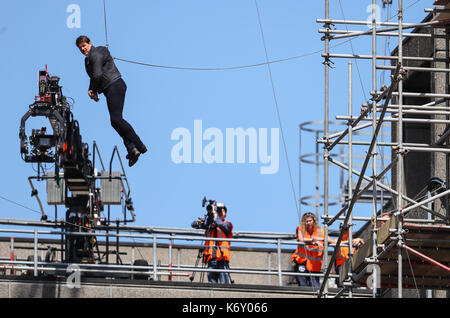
<point>408,245</point>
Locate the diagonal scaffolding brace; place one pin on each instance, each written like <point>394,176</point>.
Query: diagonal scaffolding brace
<point>387,95</point>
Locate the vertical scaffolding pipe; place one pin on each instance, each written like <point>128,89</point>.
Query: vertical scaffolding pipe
<point>170,257</point>
<point>280,281</point>
<point>117,242</point>
<point>35,252</point>
<point>400,151</point>
<point>374,127</point>
<point>317,192</point>
<point>155,274</point>
<point>325,153</point>
<point>12,255</point>
<point>447,83</point>
<point>350,164</point>
<point>299,171</point>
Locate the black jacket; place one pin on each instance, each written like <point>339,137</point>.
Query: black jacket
<point>100,68</point>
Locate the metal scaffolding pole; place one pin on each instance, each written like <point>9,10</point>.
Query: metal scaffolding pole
<point>374,128</point>
<point>326,151</point>
<point>400,151</point>
<point>400,28</point>
<point>436,105</point>
<point>350,163</point>
<point>387,97</point>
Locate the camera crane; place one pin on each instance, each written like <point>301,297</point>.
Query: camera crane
<point>74,171</point>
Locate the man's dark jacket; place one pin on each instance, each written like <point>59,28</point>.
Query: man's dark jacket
<point>100,68</point>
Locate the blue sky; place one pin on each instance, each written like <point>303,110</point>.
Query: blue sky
<point>196,34</point>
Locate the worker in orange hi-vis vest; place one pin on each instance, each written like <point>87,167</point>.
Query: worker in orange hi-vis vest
<point>307,258</point>
<point>216,253</point>
<point>343,252</point>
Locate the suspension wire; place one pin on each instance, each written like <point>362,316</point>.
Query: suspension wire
<point>277,107</point>
<point>18,204</point>
<point>229,67</point>
<point>106,24</point>
<point>408,7</point>
<point>48,216</point>
<point>239,66</point>
<point>353,52</point>
<point>412,271</point>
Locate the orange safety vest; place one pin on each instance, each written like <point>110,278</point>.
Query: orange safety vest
<point>310,253</point>
<point>342,254</point>
<point>217,250</point>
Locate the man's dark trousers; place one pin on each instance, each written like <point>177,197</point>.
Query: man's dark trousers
<point>115,98</point>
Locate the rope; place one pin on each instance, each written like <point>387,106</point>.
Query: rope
<point>227,68</point>
<point>106,24</point>
<point>23,206</point>
<point>276,106</point>
<point>353,52</point>
<point>408,7</point>
<point>412,271</point>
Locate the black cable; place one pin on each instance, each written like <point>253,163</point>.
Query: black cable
<point>105,22</point>
<point>23,206</point>
<point>277,107</point>
<point>226,68</point>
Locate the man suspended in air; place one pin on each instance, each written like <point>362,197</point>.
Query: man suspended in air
<point>106,79</point>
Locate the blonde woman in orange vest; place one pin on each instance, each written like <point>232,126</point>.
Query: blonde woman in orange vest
<point>307,258</point>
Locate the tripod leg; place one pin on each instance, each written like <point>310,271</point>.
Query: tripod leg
<point>200,253</point>
<point>227,266</point>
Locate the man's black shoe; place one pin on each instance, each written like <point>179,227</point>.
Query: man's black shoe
<point>142,151</point>
<point>133,157</point>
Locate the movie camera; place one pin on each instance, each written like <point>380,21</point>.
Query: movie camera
<point>208,219</point>
<point>74,170</point>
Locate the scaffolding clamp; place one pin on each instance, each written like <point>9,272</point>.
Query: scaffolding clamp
<point>371,260</point>
<point>327,32</point>
<point>326,145</point>
<point>401,74</point>
<point>401,151</point>
<point>365,110</point>
<point>328,62</point>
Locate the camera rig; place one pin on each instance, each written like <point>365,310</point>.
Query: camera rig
<point>73,182</point>
<point>208,219</point>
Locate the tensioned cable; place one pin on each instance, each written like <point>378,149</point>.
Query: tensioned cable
<point>412,271</point>
<point>106,24</point>
<point>39,212</point>
<point>206,68</point>
<point>277,107</point>
<point>23,206</point>
<point>229,67</point>
<point>411,5</point>
<point>353,52</point>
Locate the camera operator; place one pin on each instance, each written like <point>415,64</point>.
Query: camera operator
<point>216,253</point>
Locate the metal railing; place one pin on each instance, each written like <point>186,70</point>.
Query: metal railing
<point>155,239</point>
